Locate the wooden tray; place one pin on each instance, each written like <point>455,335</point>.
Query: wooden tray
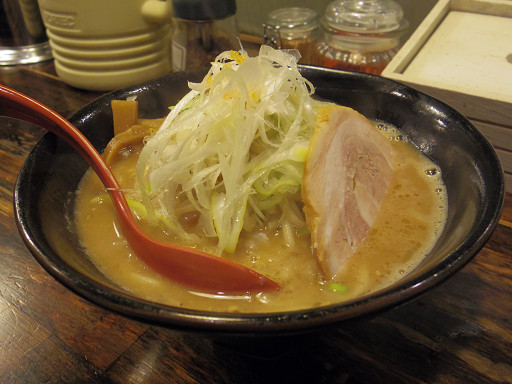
<point>462,54</point>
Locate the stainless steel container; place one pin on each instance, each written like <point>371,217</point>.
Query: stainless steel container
<point>23,38</point>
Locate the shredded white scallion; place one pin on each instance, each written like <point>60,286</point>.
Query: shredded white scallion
<point>233,149</point>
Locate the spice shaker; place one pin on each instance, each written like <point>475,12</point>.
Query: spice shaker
<point>360,35</point>
<point>202,30</point>
<point>292,28</point>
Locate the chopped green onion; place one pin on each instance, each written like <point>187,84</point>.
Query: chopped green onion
<point>337,287</point>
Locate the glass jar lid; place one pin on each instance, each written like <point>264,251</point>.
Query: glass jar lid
<point>293,22</point>
<point>364,16</point>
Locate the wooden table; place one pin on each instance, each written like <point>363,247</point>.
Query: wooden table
<point>458,332</point>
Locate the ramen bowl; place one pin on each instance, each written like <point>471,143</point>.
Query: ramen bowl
<point>45,193</point>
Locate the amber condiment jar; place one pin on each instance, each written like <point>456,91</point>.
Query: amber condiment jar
<point>293,28</point>
<point>360,35</point>
<point>202,30</point>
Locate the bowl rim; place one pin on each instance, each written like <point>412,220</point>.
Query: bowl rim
<point>289,322</point>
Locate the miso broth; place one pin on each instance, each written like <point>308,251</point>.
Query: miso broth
<point>411,217</point>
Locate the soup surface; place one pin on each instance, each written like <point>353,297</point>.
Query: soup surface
<point>411,217</point>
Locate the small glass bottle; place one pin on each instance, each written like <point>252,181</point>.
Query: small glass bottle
<point>292,28</point>
<point>202,30</point>
<point>360,35</point>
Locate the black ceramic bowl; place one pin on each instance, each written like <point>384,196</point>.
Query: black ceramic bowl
<point>45,190</point>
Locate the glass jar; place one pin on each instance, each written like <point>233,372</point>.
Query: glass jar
<point>292,28</point>
<point>360,35</point>
<point>202,30</point>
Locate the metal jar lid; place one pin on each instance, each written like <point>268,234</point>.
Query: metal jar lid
<point>203,9</point>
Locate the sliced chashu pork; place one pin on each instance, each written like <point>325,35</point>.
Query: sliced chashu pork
<point>347,173</point>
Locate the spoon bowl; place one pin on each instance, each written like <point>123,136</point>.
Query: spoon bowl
<point>187,266</point>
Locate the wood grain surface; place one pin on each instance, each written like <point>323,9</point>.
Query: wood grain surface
<point>459,332</point>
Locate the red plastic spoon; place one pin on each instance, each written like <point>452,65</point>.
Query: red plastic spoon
<point>187,266</point>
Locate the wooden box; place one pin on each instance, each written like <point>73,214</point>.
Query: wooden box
<point>462,54</point>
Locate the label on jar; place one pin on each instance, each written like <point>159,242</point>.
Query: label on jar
<point>179,56</point>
